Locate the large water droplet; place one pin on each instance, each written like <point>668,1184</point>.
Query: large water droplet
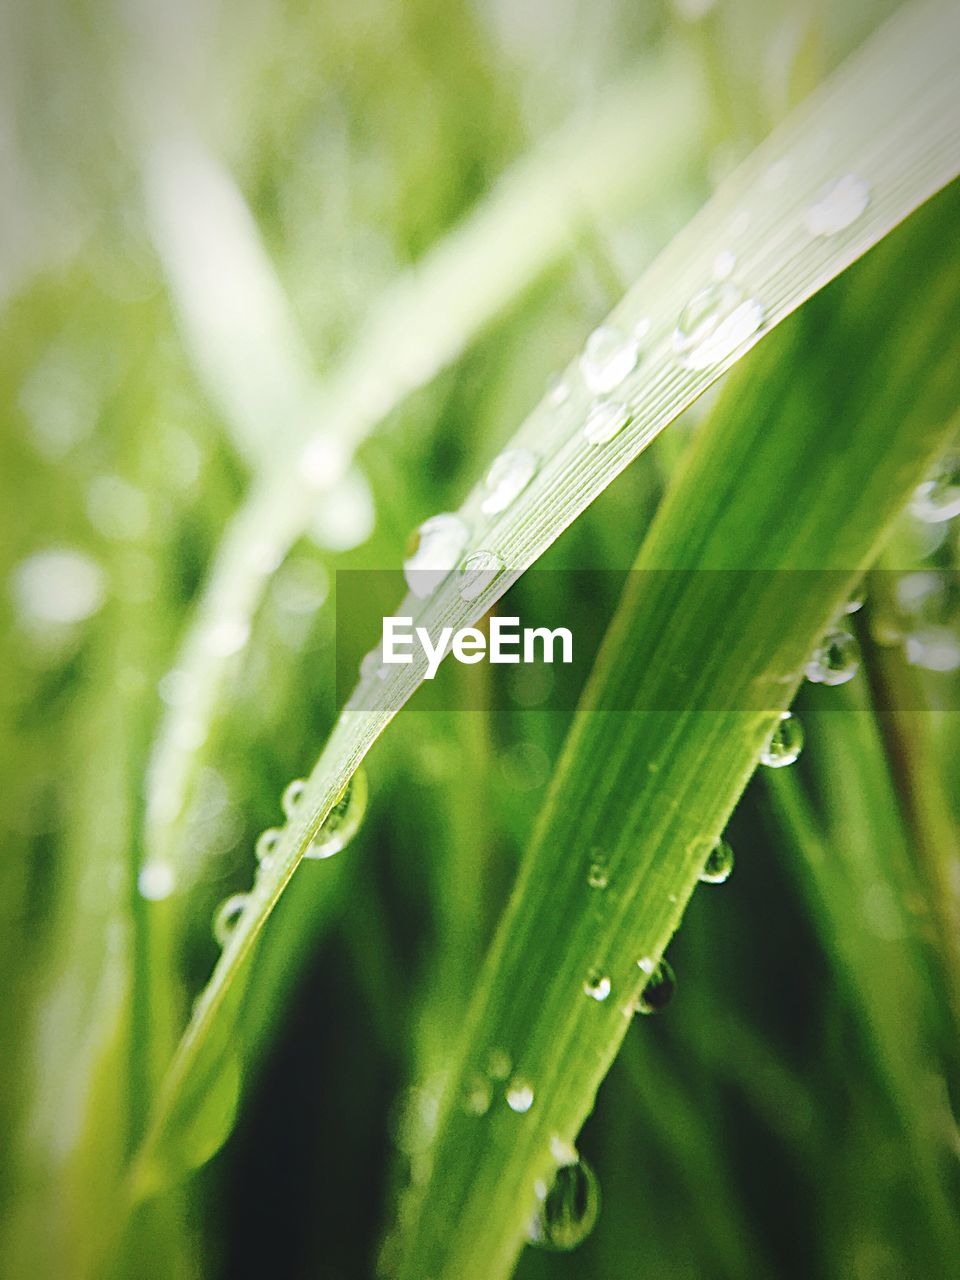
<point>343,820</point>
<point>785,744</point>
<point>938,498</point>
<point>507,478</point>
<point>608,357</point>
<point>838,206</point>
<point>477,572</point>
<point>292,796</point>
<point>661,984</point>
<point>597,986</point>
<point>605,419</point>
<point>519,1096</point>
<point>718,865</point>
<point>714,323</point>
<point>568,1211</point>
<point>835,660</point>
<point>433,551</point>
<point>226,916</point>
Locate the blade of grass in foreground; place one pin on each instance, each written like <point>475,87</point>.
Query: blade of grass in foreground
<point>891,119</point>
<point>803,466</point>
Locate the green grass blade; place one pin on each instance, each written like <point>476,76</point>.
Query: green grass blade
<point>891,120</point>
<point>655,789</point>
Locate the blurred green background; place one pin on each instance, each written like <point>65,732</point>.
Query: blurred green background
<point>201,205</point>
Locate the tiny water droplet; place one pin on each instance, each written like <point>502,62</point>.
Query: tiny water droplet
<point>854,604</point>
<point>568,1210</point>
<point>938,498</point>
<point>373,664</point>
<point>226,916</point>
<point>267,844</point>
<point>835,660</point>
<point>499,1065</point>
<point>433,551</point>
<point>785,744</point>
<point>718,865</point>
<point>598,876</point>
<point>507,478</point>
<point>723,264</point>
<point>605,419</point>
<point>609,356</point>
<point>477,572</point>
<point>838,206</point>
<point>343,821</point>
<point>597,986</point>
<point>519,1096</point>
<point>477,1096</point>
<point>558,389</point>
<point>660,986</point>
<point>292,796</point>
<point>714,323</point>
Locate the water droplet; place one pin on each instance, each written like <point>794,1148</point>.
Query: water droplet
<point>835,660</point>
<point>477,1096</point>
<point>938,498</point>
<point>343,821</point>
<point>568,1210</point>
<point>266,845</point>
<point>558,389</point>
<point>156,881</point>
<point>854,604</point>
<point>432,552</point>
<point>660,986</point>
<point>477,572</point>
<point>597,986</point>
<point>934,649</point>
<point>785,744</point>
<point>598,877</point>
<point>226,916</point>
<point>292,796</point>
<point>606,419</point>
<point>838,206</point>
<point>723,264</point>
<point>499,1065</point>
<point>608,357</point>
<point>507,478</point>
<point>519,1096</point>
<point>714,323</point>
<point>718,865</point>
<point>58,586</point>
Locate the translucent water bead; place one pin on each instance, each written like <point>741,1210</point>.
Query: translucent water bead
<point>715,323</point>
<point>785,744</point>
<point>569,1209</point>
<point>609,356</point>
<point>433,551</point>
<point>938,498</point>
<point>661,984</point>
<point>519,1096</point>
<point>226,916</point>
<point>507,478</point>
<point>597,986</point>
<point>719,864</point>
<point>477,572</point>
<point>838,206</point>
<point>835,660</point>
<point>343,820</point>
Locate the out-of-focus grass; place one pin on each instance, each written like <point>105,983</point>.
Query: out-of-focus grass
<point>782,1118</point>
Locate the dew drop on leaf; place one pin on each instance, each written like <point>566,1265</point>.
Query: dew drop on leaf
<point>838,206</point>
<point>605,419</point>
<point>719,864</point>
<point>569,1209</point>
<point>292,796</point>
<point>343,821</point>
<point>714,323</point>
<point>266,844</point>
<point>432,552</point>
<point>835,660</point>
<point>938,498</point>
<point>597,986</point>
<point>608,358</point>
<point>519,1096</point>
<point>660,987</point>
<point>507,478</point>
<point>226,916</point>
<point>785,744</point>
<point>477,572</point>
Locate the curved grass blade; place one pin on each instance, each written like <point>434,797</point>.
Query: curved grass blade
<point>531,221</point>
<point>891,117</point>
<point>654,789</point>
